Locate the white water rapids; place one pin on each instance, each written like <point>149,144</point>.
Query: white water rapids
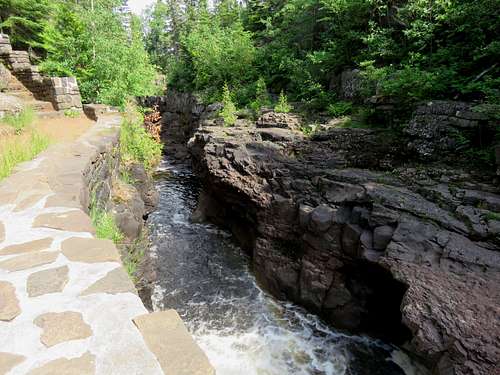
<point>243,330</point>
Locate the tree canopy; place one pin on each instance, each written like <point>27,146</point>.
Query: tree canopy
<point>410,49</point>
<point>88,39</point>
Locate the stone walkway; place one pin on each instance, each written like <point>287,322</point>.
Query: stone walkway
<point>66,304</point>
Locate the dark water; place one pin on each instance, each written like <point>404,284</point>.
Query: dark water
<point>206,278</point>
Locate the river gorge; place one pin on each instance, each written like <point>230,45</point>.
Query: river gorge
<point>347,225</point>
<point>208,279</point>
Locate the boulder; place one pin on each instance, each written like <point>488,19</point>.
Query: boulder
<point>279,120</point>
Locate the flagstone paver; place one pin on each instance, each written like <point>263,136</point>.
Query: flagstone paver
<point>8,361</point>
<point>66,303</point>
<point>26,261</point>
<point>9,304</point>
<point>63,200</point>
<point>27,247</point>
<point>48,281</point>
<point>28,202</point>
<point>61,327</point>
<point>84,365</point>
<point>71,221</point>
<point>116,281</point>
<point>2,232</point>
<point>89,250</point>
<point>167,337</point>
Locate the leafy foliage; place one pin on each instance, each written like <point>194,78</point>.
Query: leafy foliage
<point>262,98</point>
<point>24,21</point>
<point>411,50</point>
<point>136,144</point>
<point>86,39</point>
<point>339,109</point>
<point>105,225</point>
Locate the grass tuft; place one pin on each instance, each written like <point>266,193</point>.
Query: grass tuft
<point>21,120</point>
<point>105,225</point>
<point>15,151</point>
<point>72,113</point>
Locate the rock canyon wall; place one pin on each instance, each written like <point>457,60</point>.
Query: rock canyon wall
<point>350,224</point>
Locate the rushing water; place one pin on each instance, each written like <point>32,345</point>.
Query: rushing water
<point>243,330</point>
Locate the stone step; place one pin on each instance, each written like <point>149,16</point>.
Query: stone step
<point>26,95</point>
<point>49,114</point>
<point>39,105</point>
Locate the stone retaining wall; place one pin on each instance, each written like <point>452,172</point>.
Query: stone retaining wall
<point>62,92</point>
<point>67,304</point>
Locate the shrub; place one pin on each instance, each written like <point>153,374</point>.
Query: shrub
<point>136,144</point>
<point>15,151</point>
<point>228,113</point>
<point>282,106</point>
<point>339,109</point>
<point>20,120</point>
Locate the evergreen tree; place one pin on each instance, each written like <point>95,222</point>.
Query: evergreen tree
<point>24,21</point>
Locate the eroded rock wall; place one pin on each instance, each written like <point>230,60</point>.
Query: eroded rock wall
<point>340,225</point>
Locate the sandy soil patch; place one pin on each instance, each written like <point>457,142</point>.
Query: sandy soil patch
<point>64,129</point>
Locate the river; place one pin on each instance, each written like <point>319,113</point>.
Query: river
<point>244,331</point>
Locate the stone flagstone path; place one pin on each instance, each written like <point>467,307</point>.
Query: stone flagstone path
<point>66,304</point>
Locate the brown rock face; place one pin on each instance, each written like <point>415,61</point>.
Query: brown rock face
<point>61,327</point>
<point>412,256</point>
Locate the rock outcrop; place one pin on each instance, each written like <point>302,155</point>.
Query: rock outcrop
<point>339,224</point>
<point>439,128</point>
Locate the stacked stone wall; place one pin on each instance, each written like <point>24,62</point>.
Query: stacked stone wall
<point>62,92</point>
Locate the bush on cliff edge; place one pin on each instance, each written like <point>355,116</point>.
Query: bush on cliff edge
<point>136,144</point>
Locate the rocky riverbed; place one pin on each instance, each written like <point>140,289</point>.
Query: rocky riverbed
<point>347,225</point>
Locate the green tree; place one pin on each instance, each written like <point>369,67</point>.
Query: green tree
<point>228,113</point>
<point>90,42</point>
<point>24,21</point>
